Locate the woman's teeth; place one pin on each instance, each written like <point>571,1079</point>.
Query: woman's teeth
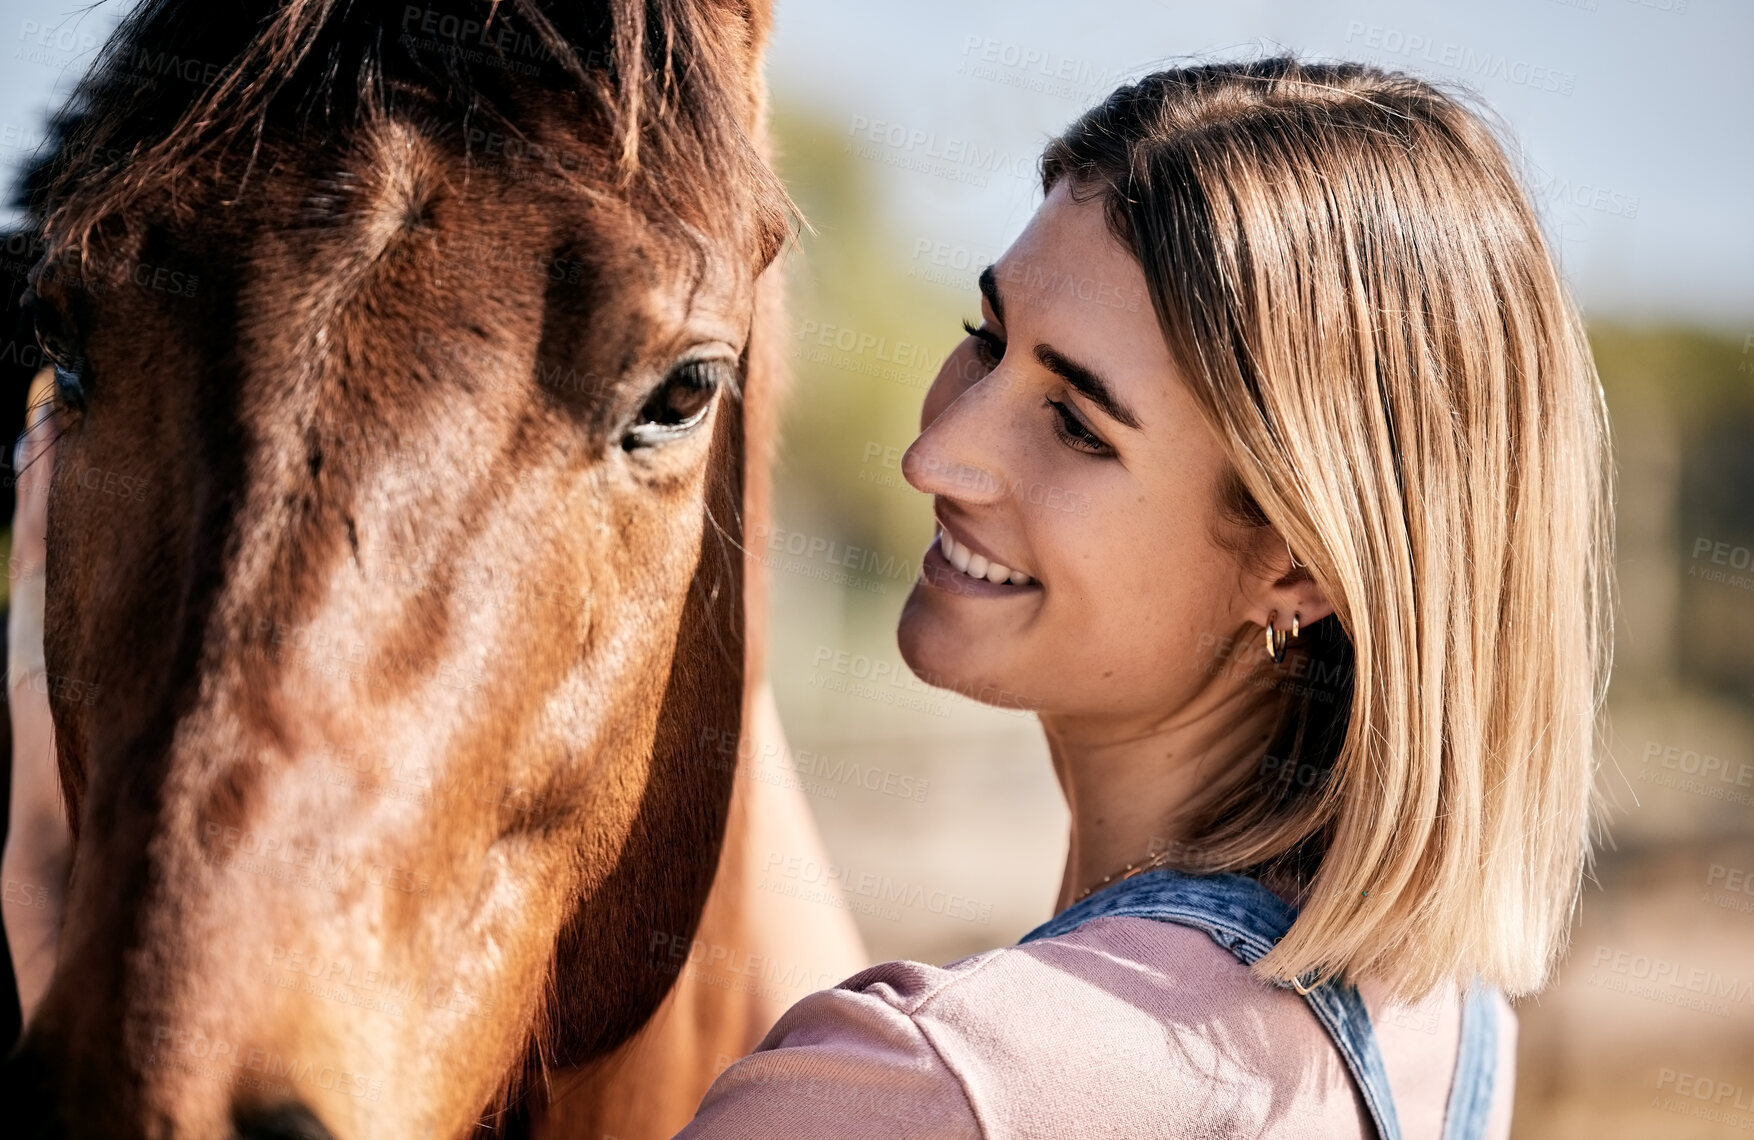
<point>976,566</point>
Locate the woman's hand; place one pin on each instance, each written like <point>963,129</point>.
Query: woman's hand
<point>39,843</point>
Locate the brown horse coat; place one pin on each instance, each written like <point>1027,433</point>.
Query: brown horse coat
<point>427,335</point>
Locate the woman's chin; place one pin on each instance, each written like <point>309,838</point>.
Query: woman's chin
<point>919,634</point>
<point>936,653</point>
<point>945,653</point>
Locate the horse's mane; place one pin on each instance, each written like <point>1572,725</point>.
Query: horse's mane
<point>185,85</point>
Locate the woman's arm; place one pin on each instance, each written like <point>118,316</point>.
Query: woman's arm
<point>39,844</point>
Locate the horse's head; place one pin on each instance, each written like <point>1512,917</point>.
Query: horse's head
<point>394,560</point>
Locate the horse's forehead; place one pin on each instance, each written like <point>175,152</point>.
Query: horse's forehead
<point>395,211</point>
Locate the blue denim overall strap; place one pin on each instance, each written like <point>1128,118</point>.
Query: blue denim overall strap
<point>1470,1091</point>
<point>1246,919</point>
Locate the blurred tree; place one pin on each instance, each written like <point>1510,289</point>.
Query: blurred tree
<point>866,341</point>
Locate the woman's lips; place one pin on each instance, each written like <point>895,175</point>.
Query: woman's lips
<point>938,571</point>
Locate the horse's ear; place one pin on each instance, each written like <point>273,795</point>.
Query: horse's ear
<point>746,25</point>
<point>754,16</point>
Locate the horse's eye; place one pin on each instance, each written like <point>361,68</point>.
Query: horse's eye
<point>60,351</point>
<point>69,387</point>
<point>679,404</point>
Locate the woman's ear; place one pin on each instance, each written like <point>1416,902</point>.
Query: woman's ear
<point>1286,588</point>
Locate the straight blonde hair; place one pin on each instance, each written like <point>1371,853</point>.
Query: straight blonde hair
<point>1352,282</point>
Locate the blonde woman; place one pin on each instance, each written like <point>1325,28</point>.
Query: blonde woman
<point>1318,655</point>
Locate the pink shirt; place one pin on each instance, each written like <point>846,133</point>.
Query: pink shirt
<point>1125,1028</point>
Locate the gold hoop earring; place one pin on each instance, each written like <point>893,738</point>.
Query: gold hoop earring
<point>1276,638</point>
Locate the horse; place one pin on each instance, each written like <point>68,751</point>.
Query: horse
<point>415,371</point>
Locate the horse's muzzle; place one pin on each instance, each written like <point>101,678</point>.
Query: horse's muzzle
<point>27,1106</point>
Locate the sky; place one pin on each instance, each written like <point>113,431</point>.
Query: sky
<point>1633,119</point>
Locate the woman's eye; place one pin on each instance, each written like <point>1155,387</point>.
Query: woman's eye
<point>1072,430</point>
<point>679,404</point>
<point>987,345</point>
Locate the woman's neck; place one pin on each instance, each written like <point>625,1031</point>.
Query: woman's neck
<point>1127,782</point>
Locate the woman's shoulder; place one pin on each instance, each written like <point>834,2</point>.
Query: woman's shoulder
<point>1123,1027</point>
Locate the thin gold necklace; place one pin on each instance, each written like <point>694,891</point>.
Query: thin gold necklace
<point>1127,872</point>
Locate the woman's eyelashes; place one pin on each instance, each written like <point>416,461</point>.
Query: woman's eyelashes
<point>1073,433</point>
<point>989,348</point>
<point>987,344</point>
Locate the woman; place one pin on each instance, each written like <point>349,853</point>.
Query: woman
<point>1329,627</point>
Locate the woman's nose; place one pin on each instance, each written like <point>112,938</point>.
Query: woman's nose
<point>928,469</point>
<point>960,454</point>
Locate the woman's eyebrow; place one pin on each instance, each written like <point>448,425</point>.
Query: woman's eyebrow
<point>1093,386</point>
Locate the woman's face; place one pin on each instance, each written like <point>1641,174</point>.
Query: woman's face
<point>1059,442</point>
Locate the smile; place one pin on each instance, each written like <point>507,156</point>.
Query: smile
<point>977,566</point>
